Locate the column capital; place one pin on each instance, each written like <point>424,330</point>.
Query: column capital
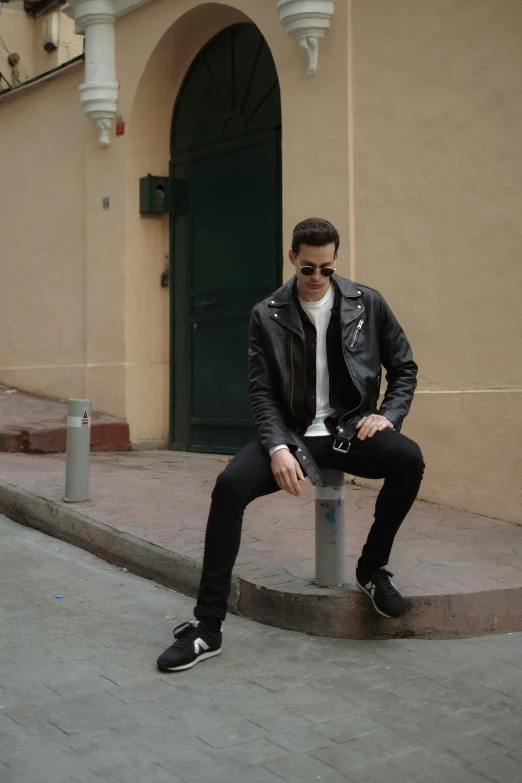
<point>306,21</point>
<point>92,12</point>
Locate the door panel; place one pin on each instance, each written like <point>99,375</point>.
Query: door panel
<point>226,239</point>
<point>233,260</point>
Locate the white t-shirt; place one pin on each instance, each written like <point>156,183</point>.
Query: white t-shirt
<point>319,313</point>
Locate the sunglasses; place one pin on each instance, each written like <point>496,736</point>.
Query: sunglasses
<point>326,271</point>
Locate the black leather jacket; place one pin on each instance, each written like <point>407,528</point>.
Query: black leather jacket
<point>371,337</point>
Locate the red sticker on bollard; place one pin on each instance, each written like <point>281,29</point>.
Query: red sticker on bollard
<point>86,420</point>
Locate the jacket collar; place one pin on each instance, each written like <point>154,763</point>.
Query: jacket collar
<point>351,302</point>
<point>287,294</point>
<point>284,303</point>
<point>284,307</point>
<point>346,287</point>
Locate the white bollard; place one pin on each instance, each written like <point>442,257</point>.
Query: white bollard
<point>329,530</point>
<point>78,451</point>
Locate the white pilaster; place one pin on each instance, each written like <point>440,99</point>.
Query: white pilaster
<point>307,21</point>
<point>99,92</point>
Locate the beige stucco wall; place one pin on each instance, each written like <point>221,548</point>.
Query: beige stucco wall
<point>42,239</point>
<point>438,194</point>
<point>18,32</point>
<point>23,34</point>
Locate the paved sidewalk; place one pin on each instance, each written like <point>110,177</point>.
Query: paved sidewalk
<point>148,511</point>
<point>82,702</point>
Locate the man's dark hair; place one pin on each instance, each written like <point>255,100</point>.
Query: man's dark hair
<point>315,232</point>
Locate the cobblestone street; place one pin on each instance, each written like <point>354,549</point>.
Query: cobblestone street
<point>81,700</point>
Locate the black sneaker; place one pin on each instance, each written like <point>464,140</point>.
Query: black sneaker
<point>385,597</point>
<point>193,643</point>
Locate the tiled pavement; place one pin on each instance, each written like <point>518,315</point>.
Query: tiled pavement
<point>163,497</point>
<point>81,700</point>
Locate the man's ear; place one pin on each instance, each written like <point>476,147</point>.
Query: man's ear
<point>291,257</point>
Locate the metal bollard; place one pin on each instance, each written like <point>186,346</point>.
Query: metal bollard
<point>78,451</point>
<point>329,530</point>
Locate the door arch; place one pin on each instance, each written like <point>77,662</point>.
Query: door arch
<point>225,233</point>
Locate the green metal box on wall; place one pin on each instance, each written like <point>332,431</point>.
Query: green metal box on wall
<point>154,195</point>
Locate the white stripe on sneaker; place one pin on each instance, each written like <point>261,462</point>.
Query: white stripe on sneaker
<point>369,593</point>
<point>200,646</point>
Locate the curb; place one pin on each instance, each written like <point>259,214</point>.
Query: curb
<point>178,572</point>
<point>336,612</point>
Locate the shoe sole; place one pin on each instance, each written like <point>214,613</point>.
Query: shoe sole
<point>201,657</point>
<point>379,611</point>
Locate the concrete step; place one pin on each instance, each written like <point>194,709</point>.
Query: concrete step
<point>31,424</point>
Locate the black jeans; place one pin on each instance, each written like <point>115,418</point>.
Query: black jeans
<point>387,455</point>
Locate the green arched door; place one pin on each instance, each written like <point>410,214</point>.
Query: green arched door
<point>225,233</point>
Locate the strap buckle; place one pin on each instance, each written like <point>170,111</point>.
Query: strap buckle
<point>343,446</point>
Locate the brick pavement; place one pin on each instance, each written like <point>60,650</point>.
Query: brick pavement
<point>163,497</point>
<point>82,702</point>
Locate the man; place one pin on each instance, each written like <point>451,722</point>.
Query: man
<point>315,355</point>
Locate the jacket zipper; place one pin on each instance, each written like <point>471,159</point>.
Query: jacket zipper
<point>356,335</point>
<point>349,320</point>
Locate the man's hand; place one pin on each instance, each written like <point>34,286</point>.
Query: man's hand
<point>369,425</point>
<point>287,471</point>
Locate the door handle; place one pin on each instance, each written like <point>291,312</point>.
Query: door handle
<point>206,303</point>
